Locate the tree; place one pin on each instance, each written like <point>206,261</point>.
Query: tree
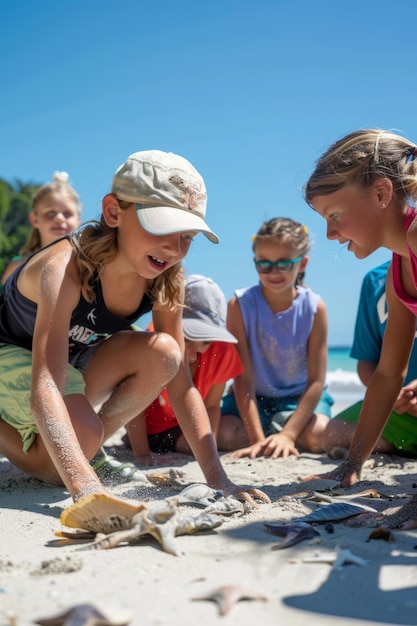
<point>15,206</point>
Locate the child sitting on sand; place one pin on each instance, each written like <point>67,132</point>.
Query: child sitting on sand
<point>55,213</point>
<point>365,187</point>
<point>72,371</point>
<point>400,431</point>
<point>213,360</point>
<point>281,327</point>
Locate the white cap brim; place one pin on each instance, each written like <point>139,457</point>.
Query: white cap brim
<point>160,220</point>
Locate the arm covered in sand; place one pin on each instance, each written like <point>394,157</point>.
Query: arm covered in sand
<point>383,389</point>
<point>52,282</point>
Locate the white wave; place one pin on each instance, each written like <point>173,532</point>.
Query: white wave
<point>345,387</point>
<point>344,378</point>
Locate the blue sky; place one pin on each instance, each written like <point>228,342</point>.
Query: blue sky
<point>250,92</point>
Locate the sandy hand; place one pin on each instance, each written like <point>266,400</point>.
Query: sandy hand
<point>346,474</point>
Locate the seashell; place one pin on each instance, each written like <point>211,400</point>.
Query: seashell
<point>382,533</point>
<point>335,511</point>
<point>113,521</point>
<point>197,494</point>
<point>226,506</point>
<point>368,493</point>
<point>100,512</point>
<point>294,532</point>
<point>87,615</point>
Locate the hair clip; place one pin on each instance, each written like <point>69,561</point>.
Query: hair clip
<point>305,229</point>
<point>253,238</point>
<point>411,154</point>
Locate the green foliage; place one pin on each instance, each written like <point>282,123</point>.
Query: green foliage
<point>15,206</point>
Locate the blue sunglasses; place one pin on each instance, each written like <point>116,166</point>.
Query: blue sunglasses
<point>265,267</point>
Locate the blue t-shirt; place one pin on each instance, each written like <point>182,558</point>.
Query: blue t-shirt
<point>371,319</point>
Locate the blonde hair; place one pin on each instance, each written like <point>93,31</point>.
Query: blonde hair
<point>362,157</point>
<point>96,245</point>
<point>60,185</point>
<point>284,228</point>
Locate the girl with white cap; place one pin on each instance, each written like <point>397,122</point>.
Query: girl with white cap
<point>72,371</point>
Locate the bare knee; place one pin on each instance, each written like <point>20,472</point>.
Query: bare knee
<point>338,434</point>
<point>311,438</point>
<point>232,434</point>
<point>165,354</point>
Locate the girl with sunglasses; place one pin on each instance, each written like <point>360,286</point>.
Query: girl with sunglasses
<point>281,327</point>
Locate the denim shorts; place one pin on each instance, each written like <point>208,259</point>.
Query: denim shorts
<point>15,390</point>
<point>275,412</point>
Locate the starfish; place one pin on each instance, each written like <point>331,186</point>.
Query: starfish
<point>337,559</point>
<point>293,532</point>
<point>228,595</point>
<point>86,615</point>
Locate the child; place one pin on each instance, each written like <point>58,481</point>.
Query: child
<point>400,432</point>
<point>55,213</point>
<point>213,360</point>
<point>365,186</point>
<point>89,289</point>
<point>281,327</point>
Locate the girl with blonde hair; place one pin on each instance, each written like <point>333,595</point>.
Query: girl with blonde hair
<point>365,187</point>
<point>56,212</point>
<point>72,371</point>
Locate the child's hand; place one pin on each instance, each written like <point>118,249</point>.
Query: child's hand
<point>407,399</point>
<point>273,446</point>
<point>251,451</point>
<point>347,474</point>
<point>247,495</point>
<point>278,445</point>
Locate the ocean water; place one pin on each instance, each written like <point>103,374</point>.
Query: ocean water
<point>342,378</point>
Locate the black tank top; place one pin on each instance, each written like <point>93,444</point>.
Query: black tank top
<point>90,324</point>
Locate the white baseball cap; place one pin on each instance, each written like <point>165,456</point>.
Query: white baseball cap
<point>169,193</point>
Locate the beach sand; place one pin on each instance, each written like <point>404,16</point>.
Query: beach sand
<point>42,576</point>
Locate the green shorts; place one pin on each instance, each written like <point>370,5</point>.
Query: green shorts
<point>400,430</point>
<point>15,390</point>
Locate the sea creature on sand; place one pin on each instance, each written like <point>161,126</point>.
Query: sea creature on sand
<point>334,512</point>
<point>87,615</point>
<point>382,533</point>
<point>198,494</point>
<point>228,595</point>
<point>293,532</point>
<point>112,521</point>
<point>213,500</point>
<point>337,559</point>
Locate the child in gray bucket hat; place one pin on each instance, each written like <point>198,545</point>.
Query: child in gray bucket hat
<point>213,360</point>
<point>72,370</point>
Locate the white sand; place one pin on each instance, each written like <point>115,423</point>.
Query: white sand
<point>40,578</point>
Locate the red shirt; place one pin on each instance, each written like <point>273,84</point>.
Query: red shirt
<point>219,363</point>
